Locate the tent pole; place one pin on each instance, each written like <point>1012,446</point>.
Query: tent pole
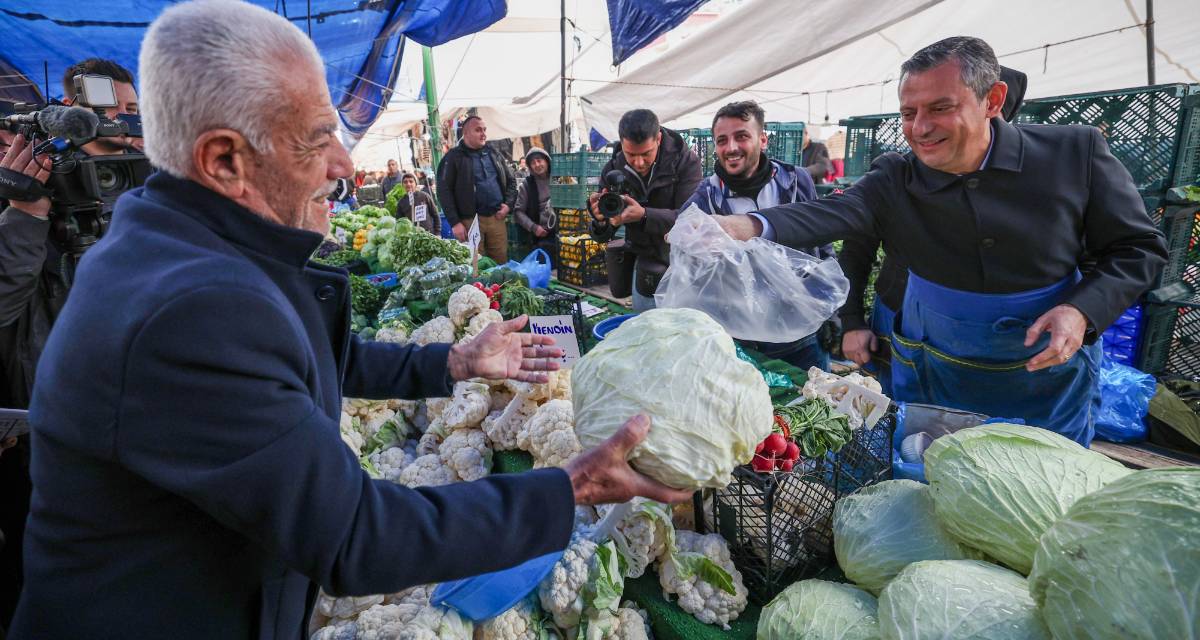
<point>1149,41</point>
<point>431,102</point>
<point>562,79</point>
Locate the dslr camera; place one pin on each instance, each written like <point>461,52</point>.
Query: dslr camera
<point>615,185</point>
<point>82,188</point>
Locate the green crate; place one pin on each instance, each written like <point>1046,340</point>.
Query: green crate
<point>785,142</point>
<point>520,241</point>
<point>701,141</point>
<point>868,137</point>
<point>569,196</point>
<point>1171,339</point>
<point>572,222</point>
<point>581,164</point>
<point>1153,131</point>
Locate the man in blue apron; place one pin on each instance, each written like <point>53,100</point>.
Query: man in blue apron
<point>992,219</point>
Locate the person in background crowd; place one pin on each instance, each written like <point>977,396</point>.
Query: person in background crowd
<point>475,182</point>
<point>426,184</point>
<point>392,178</point>
<point>416,205</point>
<point>522,171</point>
<point>993,220</point>
<point>661,173</point>
<point>534,211</point>
<point>869,343</point>
<point>815,158</point>
<point>747,180</point>
<point>190,479</point>
<point>34,282</point>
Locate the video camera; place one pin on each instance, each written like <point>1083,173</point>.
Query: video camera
<point>611,204</point>
<point>82,188</point>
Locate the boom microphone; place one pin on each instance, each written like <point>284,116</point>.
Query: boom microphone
<point>76,124</point>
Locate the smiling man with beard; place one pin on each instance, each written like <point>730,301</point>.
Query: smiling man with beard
<point>992,219</point>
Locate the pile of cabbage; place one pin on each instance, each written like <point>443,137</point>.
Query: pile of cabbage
<point>1020,533</point>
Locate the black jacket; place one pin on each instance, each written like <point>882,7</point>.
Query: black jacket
<point>405,206</point>
<point>1020,223</point>
<point>32,292</point>
<point>456,184</point>
<point>673,179</point>
<point>190,478</point>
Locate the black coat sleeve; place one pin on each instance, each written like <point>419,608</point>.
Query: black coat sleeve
<point>218,410</point>
<point>1129,250</point>
<point>658,222</point>
<point>837,216</point>
<point>447,176</point>
<point>22,253</point>
<point>857,258</point>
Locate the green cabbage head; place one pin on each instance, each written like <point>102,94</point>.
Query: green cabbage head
<point>885,527</point>
<point>820,610</point>
<point>959,600</point>
<point>998,487</point>
<point>707,409</point>
<point>1124,562</point>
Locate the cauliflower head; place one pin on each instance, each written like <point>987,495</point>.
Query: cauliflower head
<point>336,630</point>
<point>561,592</point>
<point>467,453</point>
<point>468,406</point>
<point>643,536</point>
<point>347,607</point>
<point>427,471</point>
<point>522,622</point>
<point>466,303</point>
<point>549,434</point>
<point>396,334</point>
<point>482,321</point>
<point>706,602</point>
<point>504,428</point>
<point>439,329</point>
<point>390,462</point>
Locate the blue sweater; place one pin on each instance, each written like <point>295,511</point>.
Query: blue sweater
<point>189,477</point>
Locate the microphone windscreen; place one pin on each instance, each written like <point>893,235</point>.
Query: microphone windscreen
<point>72,123</point>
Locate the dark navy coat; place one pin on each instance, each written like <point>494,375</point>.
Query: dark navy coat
<point>189,477</point>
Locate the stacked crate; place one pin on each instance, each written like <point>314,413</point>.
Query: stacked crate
<point>573,176</point>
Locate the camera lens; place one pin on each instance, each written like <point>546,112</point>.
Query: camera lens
<point>111,179</point>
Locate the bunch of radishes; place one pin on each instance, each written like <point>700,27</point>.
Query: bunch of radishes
<point>492,292</point>
<point>777,452</point>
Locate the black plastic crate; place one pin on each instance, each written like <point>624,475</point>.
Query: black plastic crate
<point>780,525</point>
<point>572,222</point>
<point>591,273</point>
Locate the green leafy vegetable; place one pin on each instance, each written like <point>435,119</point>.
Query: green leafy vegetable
<point>517,299</point>
<point>817,427</point>
<point>365,298</point>
<point>393,198</point>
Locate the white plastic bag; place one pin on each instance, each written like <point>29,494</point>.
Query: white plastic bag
<point>757,290</point>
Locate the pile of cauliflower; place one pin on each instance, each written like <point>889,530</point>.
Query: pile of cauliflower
<point>439,441</point>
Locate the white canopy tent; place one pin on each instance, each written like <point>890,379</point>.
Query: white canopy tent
<point>839,58</point>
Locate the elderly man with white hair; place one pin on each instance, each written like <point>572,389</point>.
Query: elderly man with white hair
<point>189,478</point>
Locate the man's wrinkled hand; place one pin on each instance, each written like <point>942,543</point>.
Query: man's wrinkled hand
<point>20,158</point>
<point>859,344</point>
<point>500,352</point>
<point>740,226</point>
<point>602,475</point>
<point>1067,327</point>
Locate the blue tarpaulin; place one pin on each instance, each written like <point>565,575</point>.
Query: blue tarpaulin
<point>361,41</point>
<point>636,23</point>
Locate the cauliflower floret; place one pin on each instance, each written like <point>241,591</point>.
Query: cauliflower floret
<point>390,462</point>
<point>350,434</point>
<point>466,303</point>
<point>708,603</point>
<point>467,454</point>
<point>347,607</point>
<point>522,622</point>
<point>550,434</point>
<point>585,516</point>
<point>427,471</point>
<point>536,391</point>
<point>434,407</point>
<point>336,630</point>
<point>633,623</point>
<point>468,407</point>
<point>643,536</point>
<point>439,329</point>
<point>419,595</point>
<point>560,384</point>
<point>500,397</point>
<point>429,443</point>
<point>561,592</point>
<point>504,428</point>
<point>396,334</point>
<point>481,322</point>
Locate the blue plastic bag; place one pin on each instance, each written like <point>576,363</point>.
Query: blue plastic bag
<point>535,269</point>
<point>1125,395</point>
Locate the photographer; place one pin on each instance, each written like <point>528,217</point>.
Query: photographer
<point>661,173</point>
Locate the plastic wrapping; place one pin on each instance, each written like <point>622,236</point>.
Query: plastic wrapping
<point>1125,395</point>
<point>757,290</point>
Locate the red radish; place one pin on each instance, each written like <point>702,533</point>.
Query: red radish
<point>496,305</point>
<point>762,464</point>
<point>792,452</point>
<point>786,465</point>
<point>479,285</point>
<point>775,444</point>
<point>495,288</point>
<point>759,448</point>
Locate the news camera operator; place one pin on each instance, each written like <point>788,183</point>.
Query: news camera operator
<point>50,216</point>
<point>658,173</point>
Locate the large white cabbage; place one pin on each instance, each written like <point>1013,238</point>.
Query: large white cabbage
<point>998,487</point>
<point>959,600</point>
<point>885,527</point>
<point>820,610</point>
<point>1124,562</point>
<point>708,409</point>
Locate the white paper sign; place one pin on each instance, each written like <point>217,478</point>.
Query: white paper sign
<point>562,329</point>
<point>473,236</point>
<point>589,309</point>
<point>419,214</point>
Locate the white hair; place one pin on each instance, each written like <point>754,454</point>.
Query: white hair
<point>215,64</point>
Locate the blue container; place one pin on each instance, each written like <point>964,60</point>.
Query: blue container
<point>486,596</point>
<point>604,326</point>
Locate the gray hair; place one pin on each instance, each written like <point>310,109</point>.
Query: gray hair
<point>977,63</point>
<point>214,64</point>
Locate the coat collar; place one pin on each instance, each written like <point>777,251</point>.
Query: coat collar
<point>1007,154</point>
<point>231,221</point>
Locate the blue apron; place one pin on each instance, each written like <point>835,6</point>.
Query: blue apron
<point>967,351</point>
<point>880,364</point>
